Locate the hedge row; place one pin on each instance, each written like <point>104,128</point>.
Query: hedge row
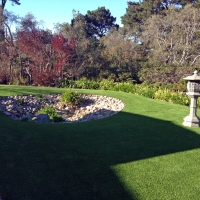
<point>175,93</point>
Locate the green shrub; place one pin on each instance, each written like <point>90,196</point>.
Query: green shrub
<point>174,97</point>
<point>163,94</point>
<point>85,83</point>
<point>107,85</point>
<point>51,111</point>
<point>57,118</point>
<point>145,91</point>
<point>169,92</point>
<point>123,87</point>
<point>180,98</point>
<point>66,83</point>
<point>71,98</point>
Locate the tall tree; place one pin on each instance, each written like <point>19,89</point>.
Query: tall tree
<point>175,38</point>
<point>99,22</point>
<point>122,54</point>
<point>2,18</point>
<point>10,19</point>
<point>35,43</point>
<point>87,49</point>
<point>138,12</point>
<point>76,31</point>
<point>65,53</point>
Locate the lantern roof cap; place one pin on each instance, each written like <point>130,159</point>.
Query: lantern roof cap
<point>193,77</point>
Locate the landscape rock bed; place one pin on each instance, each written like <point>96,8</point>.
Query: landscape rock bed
<point>93,107</point>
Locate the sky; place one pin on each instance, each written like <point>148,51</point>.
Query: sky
<point>52,12</point>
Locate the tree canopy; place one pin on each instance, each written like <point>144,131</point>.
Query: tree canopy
<point>3,2</point>
<point>2,18</point>
<point>174,38</point>
<point>99,22</point>
<point>156,34</point>
<point>138,12</point>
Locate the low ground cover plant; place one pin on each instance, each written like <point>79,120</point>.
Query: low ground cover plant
<point>51,111</point>
<point>20,102</point>
<point>40,97</point>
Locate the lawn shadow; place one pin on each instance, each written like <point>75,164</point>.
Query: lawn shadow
<point>73,161</point>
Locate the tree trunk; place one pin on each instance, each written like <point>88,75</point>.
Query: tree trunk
<point>2,18</point>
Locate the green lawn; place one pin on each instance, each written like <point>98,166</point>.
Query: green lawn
<point>141,153</point>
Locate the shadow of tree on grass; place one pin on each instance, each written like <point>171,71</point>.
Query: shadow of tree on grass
<point>73,161</point>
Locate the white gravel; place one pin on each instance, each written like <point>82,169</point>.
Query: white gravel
<point>93,107</point>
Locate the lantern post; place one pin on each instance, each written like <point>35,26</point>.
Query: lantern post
<point>193,87</point>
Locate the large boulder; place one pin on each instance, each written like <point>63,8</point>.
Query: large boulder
<point>43,118</point>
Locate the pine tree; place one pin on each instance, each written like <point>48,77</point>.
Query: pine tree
<point>138,12</point>
<point>99,22</point>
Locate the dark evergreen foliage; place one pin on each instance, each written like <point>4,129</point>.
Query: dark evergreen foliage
<point>138,12</point>
<point>99,22</point>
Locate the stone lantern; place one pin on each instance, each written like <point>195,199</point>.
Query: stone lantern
<point>193,87</point>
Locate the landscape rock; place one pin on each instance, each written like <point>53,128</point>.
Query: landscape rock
<point>43,118</point>
<point>93,107</point>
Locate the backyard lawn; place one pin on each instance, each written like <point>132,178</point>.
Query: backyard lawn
<point>142,153</point>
